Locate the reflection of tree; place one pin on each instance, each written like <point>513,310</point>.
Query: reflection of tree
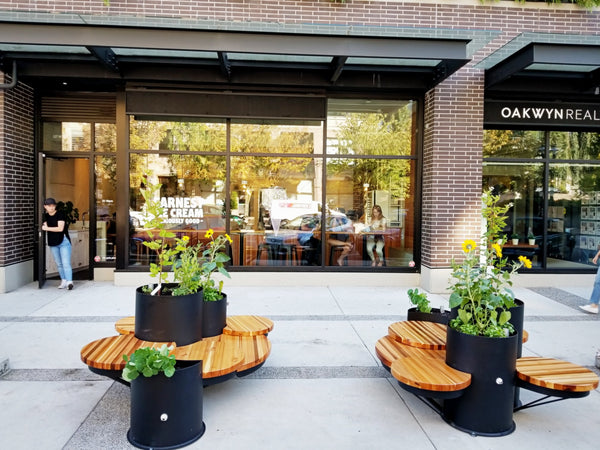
<point>106,137</point>
<point>515,144</point>
<point>106,170</point>
<point>375,134</point>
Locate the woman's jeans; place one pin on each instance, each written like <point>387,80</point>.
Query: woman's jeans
<point>595,297</point>
<point>372,242</point>
<point>62,256</point>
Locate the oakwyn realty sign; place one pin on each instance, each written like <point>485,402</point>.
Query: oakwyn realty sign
<point>559,115</point>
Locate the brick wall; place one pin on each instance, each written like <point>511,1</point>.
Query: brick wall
<point>17,183</point>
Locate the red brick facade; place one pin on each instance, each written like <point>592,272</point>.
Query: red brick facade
<point>453,110</point>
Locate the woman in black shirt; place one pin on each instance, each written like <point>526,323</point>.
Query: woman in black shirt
<point>56,227</point>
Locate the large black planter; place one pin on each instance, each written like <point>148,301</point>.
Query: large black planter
<point>214,317</point>
<point>166,412</point>
<point>434,316</point>
<point>166,318</point>
<point>486,407</point>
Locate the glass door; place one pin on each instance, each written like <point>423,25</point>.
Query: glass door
<point>67,180</point>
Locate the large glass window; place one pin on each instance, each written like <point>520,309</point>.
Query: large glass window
<point>286,194</point>
<point>560,212</point>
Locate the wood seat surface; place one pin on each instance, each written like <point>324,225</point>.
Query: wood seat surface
<point>220,355</point>
<point>248,325</point>
<point>236,325</point>
<point>389,349</point>
<point>416,333</point>
<point>555,374</point>
<point>255,349</point>
<point>107,353</point>
<point>431,374</point>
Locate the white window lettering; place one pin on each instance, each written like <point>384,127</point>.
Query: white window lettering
<point>578,114</point>
<point>538,113</point>
<point>516,114</point>
<point>587,115</point>
<point>505,112</point>
<point>569,114</point>
<point>526,113</point>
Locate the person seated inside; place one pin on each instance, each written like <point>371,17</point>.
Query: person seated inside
<point>309,239</point>
<point>375,242</point>
<point>341,239</point>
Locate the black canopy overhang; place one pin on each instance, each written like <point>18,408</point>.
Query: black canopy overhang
<point>387,62</point>
<point>571,69</point>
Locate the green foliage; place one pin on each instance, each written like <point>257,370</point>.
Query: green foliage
<point>71,214</point>
<point>481,283</point>
<point>148,362</point>
<point>213,260</point>
<point>420,300</point>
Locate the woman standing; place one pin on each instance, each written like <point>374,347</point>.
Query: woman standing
<point>55,224</point>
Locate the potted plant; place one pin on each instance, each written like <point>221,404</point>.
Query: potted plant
<point>166,401</point>
<point>514,238</point>
<point>482,339</point>
<point>165,311</point>
<point>531,238</point>
<point>423,310</point>
<point>213,260</point>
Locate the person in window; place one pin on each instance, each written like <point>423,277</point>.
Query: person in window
<point>57,230</point>
<point>340,240</point>
<point>375,240</point>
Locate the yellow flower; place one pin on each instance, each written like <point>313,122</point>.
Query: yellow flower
<point>498,250</point>
<point>209,233</point>
<point>525,261</point>
<point>185,238</point>
<point>228,238</point>
<point>469,245</point>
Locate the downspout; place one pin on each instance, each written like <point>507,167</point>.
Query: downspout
<point>13,83</point>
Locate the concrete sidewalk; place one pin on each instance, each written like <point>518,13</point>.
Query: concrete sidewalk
<point>321,388</point>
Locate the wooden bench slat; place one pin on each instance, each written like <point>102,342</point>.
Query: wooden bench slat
<point>430,374</point>
<point>107,353</point>
<point>388,350</point>
<point>126,325</point>
<point>429,335</point>
<point>556,374</point>
<point>248,325</point>
<point>256,349</point>
<point>219,354</point>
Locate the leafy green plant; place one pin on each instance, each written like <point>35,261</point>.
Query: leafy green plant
<point>71,213</point>
<point>148,362</point>
<point>481,282</point>
<point>213,260</point>
<point>420,300</point>
<point>514,236</point>
<point>530,235</point>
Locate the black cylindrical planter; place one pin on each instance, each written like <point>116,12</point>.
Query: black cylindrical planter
<point>434,316</point>
<point>486,407</point>
<point>517,317</point>
<point>166,318</point>
<point>214,317</point>
<point>166,412</point>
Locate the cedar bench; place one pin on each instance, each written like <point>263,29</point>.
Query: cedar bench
<point>414,351</point>
<point>240,350</point>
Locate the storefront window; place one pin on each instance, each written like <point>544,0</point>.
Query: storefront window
<point>105,137</point>
<point>521,186</point>
<point>106,206</point>
<point>192,193</point>
<point>66,136</point>
<point>198,136</point>
<point>513,144</point>
<point>562,212</point>
<point>282,198</point>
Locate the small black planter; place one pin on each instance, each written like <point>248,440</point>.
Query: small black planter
<point>486,407</point>
<point>214,317</point>
<point>434,316</point>
<point>166,413</point>
<point>166,318</point>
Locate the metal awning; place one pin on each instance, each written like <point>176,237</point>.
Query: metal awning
<point>570,70</point>
<point>55,55</point>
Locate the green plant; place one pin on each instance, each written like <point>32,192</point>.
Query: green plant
<point>480,289</point>
<point>213,260</point>
<point>514,236</point>
<point>71,214</point>
<point>530,235</point>
<point>420,300</point>
<point>149,361</point>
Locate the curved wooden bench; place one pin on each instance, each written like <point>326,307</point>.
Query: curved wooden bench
<point>416,333</point>
<point>554,377</point>
<point>220,355</point>
<point>389,350</point>
<point>107,353</point>
<point>248,325</point>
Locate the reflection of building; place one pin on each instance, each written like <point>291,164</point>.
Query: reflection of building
<point>325,111</point>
